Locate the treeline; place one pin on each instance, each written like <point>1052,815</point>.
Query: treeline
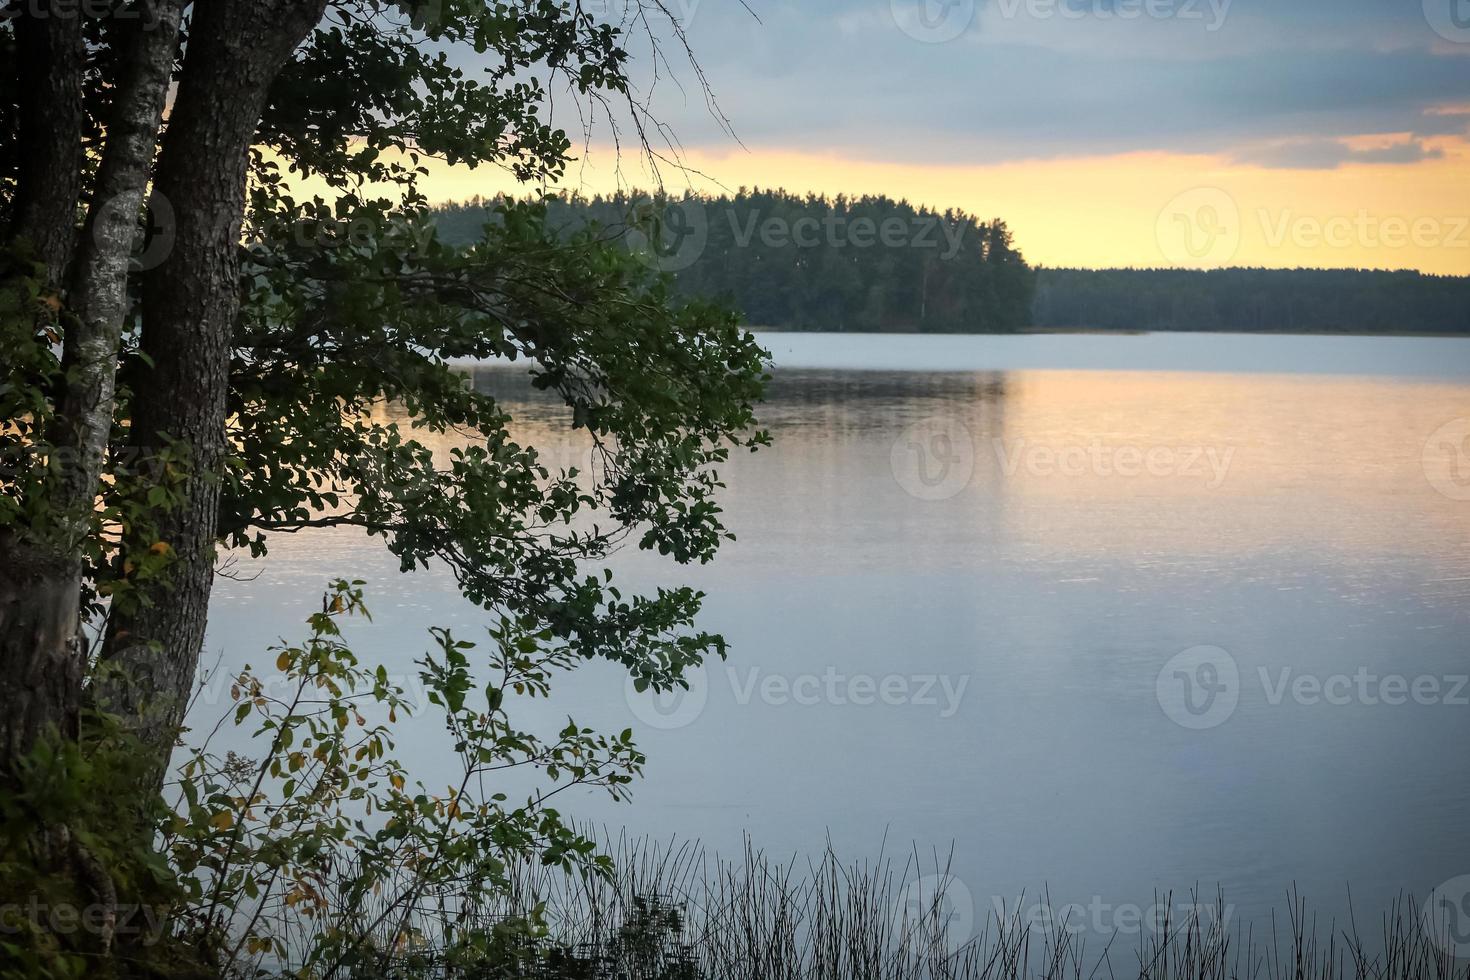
<point>794,262</point>
<point>1281,300</point>
<point>812,262</point>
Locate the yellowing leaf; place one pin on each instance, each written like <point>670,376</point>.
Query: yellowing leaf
<point>223,820</point>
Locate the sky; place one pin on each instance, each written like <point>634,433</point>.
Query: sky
<point>1280,133</point>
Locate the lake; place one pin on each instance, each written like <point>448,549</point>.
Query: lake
<point>1110,615</point>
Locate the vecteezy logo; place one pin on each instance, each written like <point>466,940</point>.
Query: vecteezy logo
<point>933,458</point>
<point>1446,917</point>
<point>1199,688</point>
<point>935,911</point>
<point>674,238</point>
<point>1447,459</point>
<point>933,21</point>
<point>426,15</point>
<point>1200,227</point>
<point>1449,18</point>
<point>157,239</point>
<point>674,708</point>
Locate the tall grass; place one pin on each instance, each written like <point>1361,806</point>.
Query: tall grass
<point>674,912</point>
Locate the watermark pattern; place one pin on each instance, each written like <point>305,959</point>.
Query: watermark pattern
<point>217,688</point>
<point>933,21</point>
<point>679,235</point>
<point>675,239</point>
<point>934,458</point>
<point>1364,687</point>
<point>836,230</point>
<point>147,15</point>
<point>673,708</point>
<point>1207,464</point>
<point>935,911</point>
<point>1202,687</point>
<point>1450,19</point>
<point>1200,227</point>
<point>1211,14</point>
<point>434,15</point>
<point>65,919</point>
<point>1099,917</point>
<point>1446,917</point>
<point>623,12</point>
<point>1446,459</point>
<point>159,231</point>
<point>942,692</point>
<point>1199,687</point>
<point>16,461</point>
<point>678,708</point>
<point>939,21</point>
<point>1204,227</point>
<point>1362,229</point>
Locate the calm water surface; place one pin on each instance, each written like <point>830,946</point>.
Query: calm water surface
<point>965,576</point>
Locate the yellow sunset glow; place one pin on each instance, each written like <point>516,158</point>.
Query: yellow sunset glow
<point>1113,210</point>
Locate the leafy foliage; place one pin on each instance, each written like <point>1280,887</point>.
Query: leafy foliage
<point>350,302</point>
<point>30,371</point>
<point>322,854</point>
<point>664,388</point>
<point>32,320</point>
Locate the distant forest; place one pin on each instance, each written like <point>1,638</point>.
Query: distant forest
<point>1284,300</point>
<point>814,263</point>
<point>841,264</point>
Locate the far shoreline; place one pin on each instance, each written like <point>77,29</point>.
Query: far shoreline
<point>1109,332</point>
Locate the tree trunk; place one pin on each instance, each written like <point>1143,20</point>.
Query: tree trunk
<point>190,302</point>
<point>99,299</point>
<point>42,656</point>
<point>39,659</point>
<point>40,649</point>
<point>49,66</point>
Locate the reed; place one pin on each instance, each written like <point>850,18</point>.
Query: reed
<point>673,911</point>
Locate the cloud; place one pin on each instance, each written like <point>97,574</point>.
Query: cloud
<point>1327,154</point>
<point>1282,84</point>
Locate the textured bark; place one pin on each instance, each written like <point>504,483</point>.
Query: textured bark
<point>190,302</point>
<point>42,656</point>
<point>49,72</point>
<point>99,299</point>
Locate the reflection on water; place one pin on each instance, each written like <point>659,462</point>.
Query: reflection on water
<point>955,604</point>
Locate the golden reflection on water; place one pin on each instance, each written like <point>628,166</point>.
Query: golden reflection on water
<point>1334,463</point>
<point>1140,467</point>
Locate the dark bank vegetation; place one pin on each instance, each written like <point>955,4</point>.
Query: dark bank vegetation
<point>794,262</point>
<point>193,350</point>
<point>811,262</point>
<point>1253,300</point>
